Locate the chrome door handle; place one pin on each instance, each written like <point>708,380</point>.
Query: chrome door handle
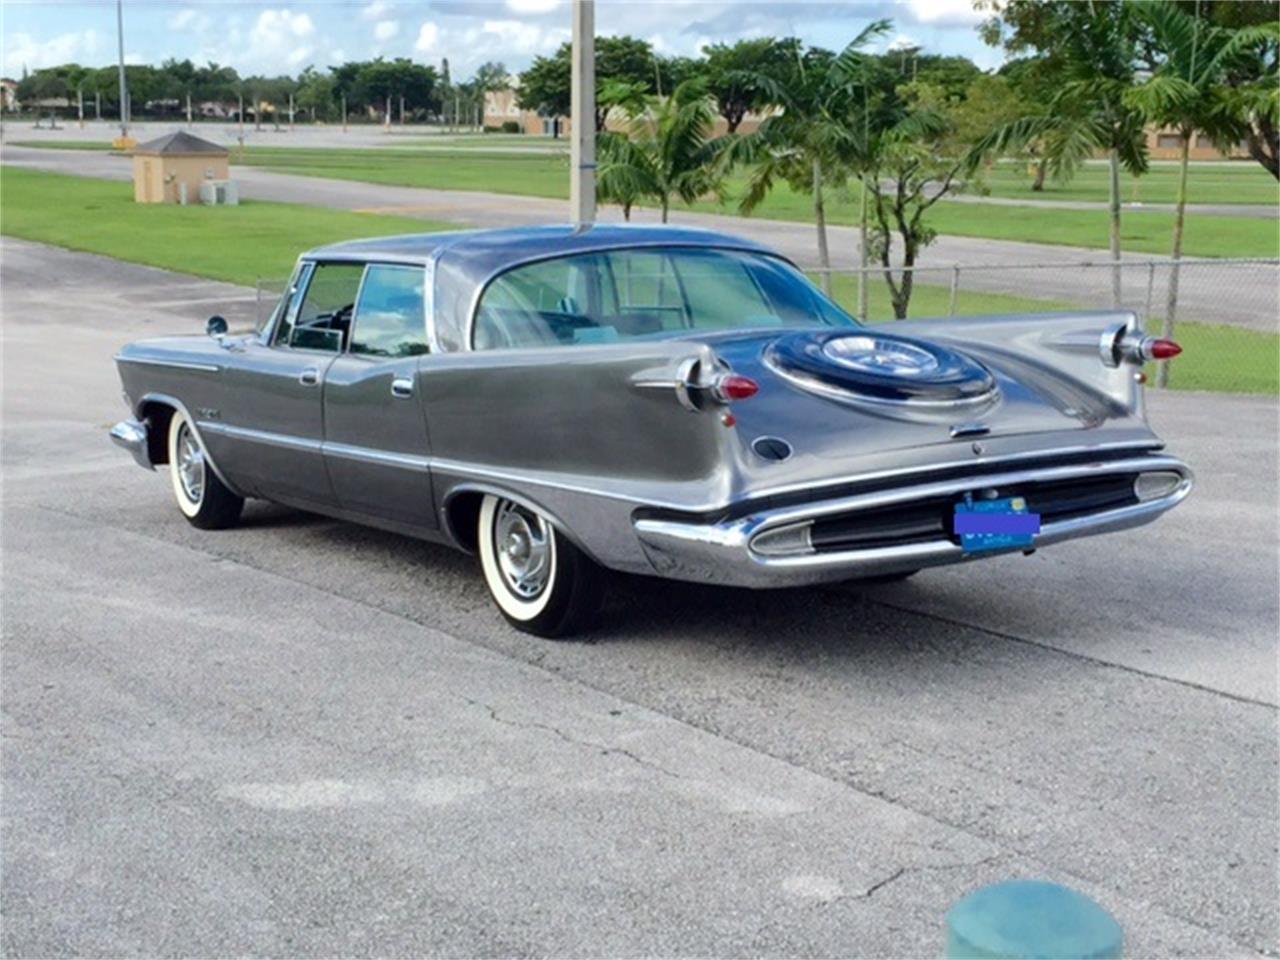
<point>402,387</point>
<point>309,377</point>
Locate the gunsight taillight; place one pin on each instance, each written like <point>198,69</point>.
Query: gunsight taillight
<point>734,386</point>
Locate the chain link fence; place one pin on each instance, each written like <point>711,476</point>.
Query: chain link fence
<point>1225,313</point>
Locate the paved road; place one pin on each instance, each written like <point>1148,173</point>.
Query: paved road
<point>306,737</point>
<point>1246,295</point>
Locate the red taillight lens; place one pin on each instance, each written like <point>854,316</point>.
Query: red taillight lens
<point>734,386</point>
<point>1164,349</point>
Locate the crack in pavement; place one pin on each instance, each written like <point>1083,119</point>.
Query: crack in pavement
<point>605,749</point>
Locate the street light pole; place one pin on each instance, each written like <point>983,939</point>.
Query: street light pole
<point>124,86</point>
<point>582,109</point>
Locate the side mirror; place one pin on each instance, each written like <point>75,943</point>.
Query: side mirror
<point>216,326</point>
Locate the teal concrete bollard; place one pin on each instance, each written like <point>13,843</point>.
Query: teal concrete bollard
<point>1031,920</point>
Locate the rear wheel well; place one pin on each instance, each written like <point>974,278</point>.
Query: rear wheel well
<point>157,414</point>
<point>463,515</point>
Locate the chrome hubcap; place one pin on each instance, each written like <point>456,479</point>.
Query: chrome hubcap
<point>190,464</point>
<point>522,542</point>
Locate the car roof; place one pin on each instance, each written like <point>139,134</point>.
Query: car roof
<point>498,249</point>
<point>466,261</point>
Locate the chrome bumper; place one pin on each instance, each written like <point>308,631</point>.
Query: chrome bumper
<point>724,553</point>
<point>132,436</point>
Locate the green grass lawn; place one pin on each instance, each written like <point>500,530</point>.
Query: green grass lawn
<point>1144,232</point>
<point>546,175</point>
<point>236,244</point>
<point>1239,182</point>
<point>1215,357</point>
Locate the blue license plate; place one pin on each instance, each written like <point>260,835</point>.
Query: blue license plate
<point>1005,524</point>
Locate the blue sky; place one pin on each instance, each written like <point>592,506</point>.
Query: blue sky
<point>275,36</point>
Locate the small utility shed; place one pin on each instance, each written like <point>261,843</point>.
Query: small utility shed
<point>162,167</point>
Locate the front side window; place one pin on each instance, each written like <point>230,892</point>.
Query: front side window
<point>389,320</point>
<point>323,319</point>
<point>630,294</point>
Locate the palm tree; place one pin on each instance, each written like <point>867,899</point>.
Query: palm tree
<point>817,137</point>
<point>1092,56</point>
<point>667,151</point>
<point>1186,93</point>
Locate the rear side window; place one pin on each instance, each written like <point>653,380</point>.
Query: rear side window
<point>390,320</point>
<point>644,292</point>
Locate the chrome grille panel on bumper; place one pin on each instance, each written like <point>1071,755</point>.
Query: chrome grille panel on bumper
<point>900,528</point>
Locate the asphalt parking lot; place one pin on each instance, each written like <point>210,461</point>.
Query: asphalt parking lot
<point>305,737</point>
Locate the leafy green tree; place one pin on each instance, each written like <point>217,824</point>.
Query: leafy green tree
<point>545,86</point>
<point>316,94</point>
<point>668,150</point>
<point>1187,93</point>
<point>818,134</point>
<point>1092,51</point>
<point>733,72</point>
<point>919,150</point>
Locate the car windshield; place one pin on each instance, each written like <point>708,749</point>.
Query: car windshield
<point>646,292</point>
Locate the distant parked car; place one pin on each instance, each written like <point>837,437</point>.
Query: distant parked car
<point>651,400</point>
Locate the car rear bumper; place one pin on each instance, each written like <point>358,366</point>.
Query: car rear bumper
<point>132,436</point>
<point>896,529</point>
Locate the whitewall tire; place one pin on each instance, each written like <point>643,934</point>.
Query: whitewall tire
<point>541,583</point>
<point>203,499</point>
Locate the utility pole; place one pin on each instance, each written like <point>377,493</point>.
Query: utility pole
<point>386,123</point>
<point>402,109</point>
<point>242,117</point>
<point>97,104</point>
<point>291,111</point>
<point>344,113</point>
<point>582,100</point>
<point>80,106</point>
<point>124,85</point>
<point>188,109</point>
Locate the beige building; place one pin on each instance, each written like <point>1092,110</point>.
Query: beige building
<point>174,166</point>
<point>500,106</point>
<point>1167,145</point>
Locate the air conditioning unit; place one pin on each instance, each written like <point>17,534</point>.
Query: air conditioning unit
<point>219,193</point>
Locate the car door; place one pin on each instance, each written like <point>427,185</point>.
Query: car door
<point>273,413</point>
<point>375,431</point>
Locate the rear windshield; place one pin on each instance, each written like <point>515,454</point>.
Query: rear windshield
<point>640,292</point>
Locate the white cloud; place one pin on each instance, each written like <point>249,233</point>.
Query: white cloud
<point>22,49</point>
<point>517,37</point>
<point>532,6</point>
<point>375,10</point>
<point>188,19</point>
<point>944,13</point>
<point>902,41</point>
<point>427,38</point>
<point>279,39</point>
<point>384,30</point>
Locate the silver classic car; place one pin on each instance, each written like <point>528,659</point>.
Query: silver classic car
<point>651,400</point>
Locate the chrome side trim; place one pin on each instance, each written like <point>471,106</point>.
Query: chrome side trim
<point>721,553</point>
<point>132,436</point>
<point>261,436</point>
<point>328,448</point>
<point>369,455</point>
<point>175,364</point>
